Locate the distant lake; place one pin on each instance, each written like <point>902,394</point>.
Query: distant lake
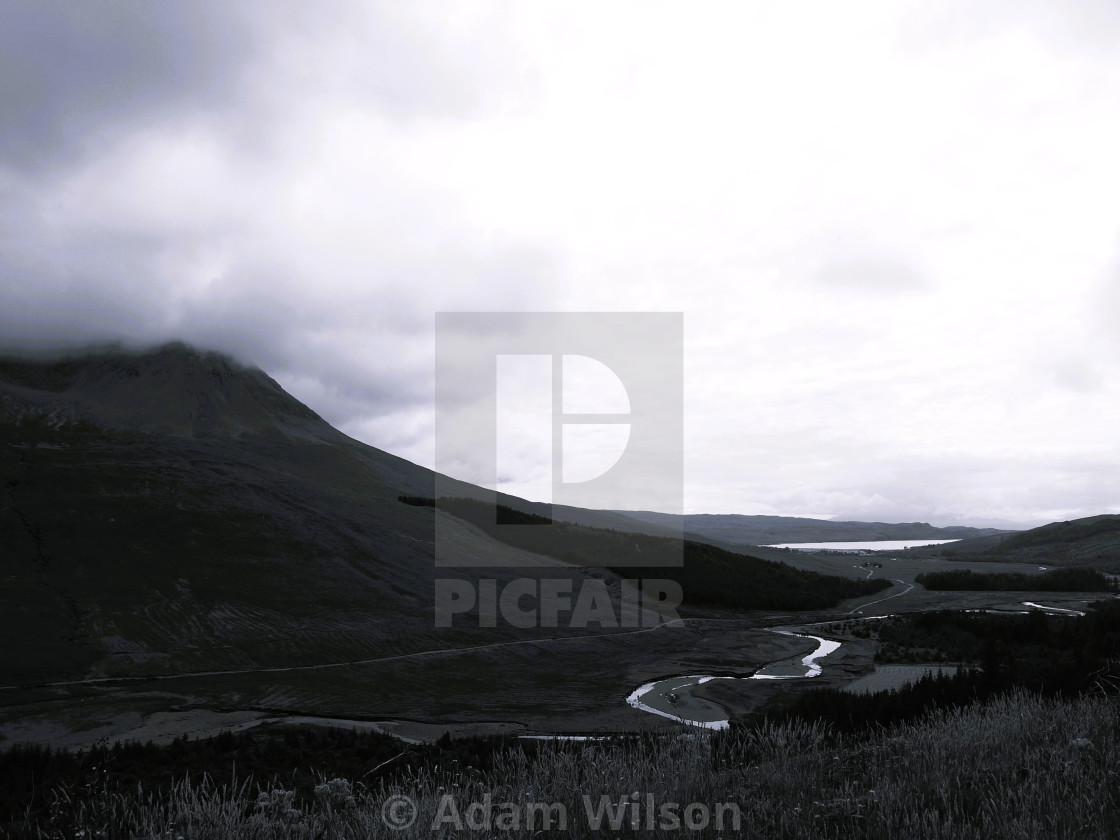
<point>875,545</point>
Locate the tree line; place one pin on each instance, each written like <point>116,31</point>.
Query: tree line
<point>1056,580</point>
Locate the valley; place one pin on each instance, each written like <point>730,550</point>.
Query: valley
<point>557,685</point>
<point>188,549</point>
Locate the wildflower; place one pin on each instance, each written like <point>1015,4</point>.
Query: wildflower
<point>277,803</point>
<point>336,794</point>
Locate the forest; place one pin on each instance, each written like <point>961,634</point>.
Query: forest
<point>1056,580</point>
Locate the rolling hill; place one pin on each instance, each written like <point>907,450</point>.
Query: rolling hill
<point>1091,542</point>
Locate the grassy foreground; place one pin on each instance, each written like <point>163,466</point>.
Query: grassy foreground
<point>1018,766</point>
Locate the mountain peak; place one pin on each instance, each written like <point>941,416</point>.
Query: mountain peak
<point>173,389</point>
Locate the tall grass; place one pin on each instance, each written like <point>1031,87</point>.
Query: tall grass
<point>1018,766</point>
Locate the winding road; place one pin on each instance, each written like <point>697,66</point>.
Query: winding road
<point>860,608</point>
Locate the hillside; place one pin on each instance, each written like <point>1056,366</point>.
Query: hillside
<point>175,511</point>
<point>1092,542</point>
<point>736,529</point>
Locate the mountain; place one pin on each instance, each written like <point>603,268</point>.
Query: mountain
<point>174,510</point>
<point>735,529</point>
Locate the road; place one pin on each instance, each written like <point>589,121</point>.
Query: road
<point>861,607</point>
<point>349,663</point>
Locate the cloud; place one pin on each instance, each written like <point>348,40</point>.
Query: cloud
<point>888,226</point>
<point>71,72</point>
<point>1077,375</point>
<point>239,186</point>
<point>870,274</point>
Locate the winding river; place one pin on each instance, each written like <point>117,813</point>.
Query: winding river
<point>709,715</point>
<point>696,711</point>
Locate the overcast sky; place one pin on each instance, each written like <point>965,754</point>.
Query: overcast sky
<point>893,228</point>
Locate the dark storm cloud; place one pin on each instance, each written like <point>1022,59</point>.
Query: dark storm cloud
<point>71,70</point>
<point>61,291</point>
<point>75,76</point>
<point>148,154</point>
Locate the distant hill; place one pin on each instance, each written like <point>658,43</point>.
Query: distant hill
<point>736,529</point>
<point>1092,542</point>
